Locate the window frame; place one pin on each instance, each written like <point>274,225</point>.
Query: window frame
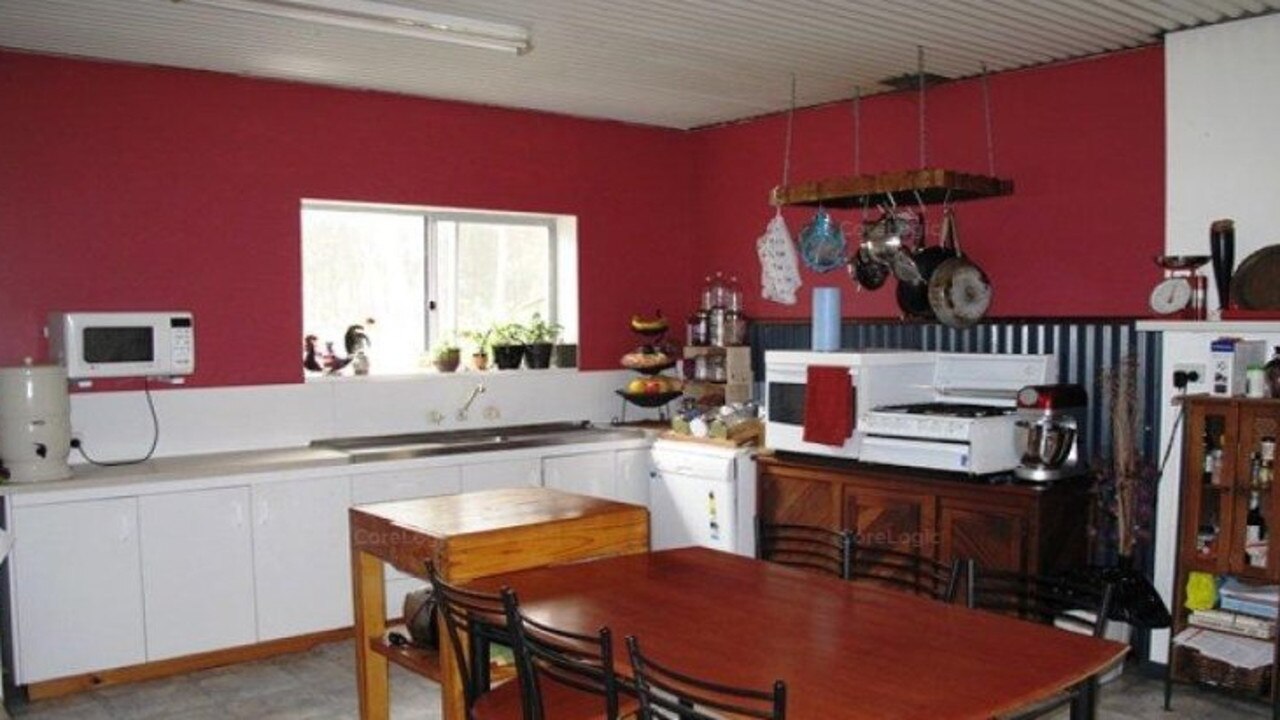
<point>562,255</point>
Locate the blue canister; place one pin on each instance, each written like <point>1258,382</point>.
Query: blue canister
<point>826,319</point>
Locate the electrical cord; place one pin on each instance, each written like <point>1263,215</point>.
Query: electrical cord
<point>155,436</point>
<point>1173,436</point>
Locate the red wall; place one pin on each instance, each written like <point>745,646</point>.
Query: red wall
<point>129,187</point>
<point>1082,141</point>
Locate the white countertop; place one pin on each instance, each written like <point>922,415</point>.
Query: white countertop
<point>184,467</point>
<point>1215,327</point>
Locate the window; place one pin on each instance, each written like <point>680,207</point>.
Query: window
<point>428,275</point>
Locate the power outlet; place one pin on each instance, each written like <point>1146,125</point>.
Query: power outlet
<point>1197,374</point>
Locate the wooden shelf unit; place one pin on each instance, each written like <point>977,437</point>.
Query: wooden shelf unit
<point>1220,500</point>
<point>934,186</point>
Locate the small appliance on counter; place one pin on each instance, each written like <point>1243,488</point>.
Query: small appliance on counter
<point>35,422</point>
<point>1051,420</point>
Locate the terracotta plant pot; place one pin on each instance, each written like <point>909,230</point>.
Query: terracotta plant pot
<point>480,361</point>
<point>508,357</point>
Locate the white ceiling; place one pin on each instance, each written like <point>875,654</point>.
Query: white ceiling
<point>672,63</point>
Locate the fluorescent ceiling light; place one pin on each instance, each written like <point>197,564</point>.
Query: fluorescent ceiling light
<point>387,18</point>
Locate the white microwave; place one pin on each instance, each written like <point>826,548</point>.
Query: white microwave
<point>122,344</point>
<point>902,376</point>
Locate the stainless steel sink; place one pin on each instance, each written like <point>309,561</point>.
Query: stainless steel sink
<point>414,445</point>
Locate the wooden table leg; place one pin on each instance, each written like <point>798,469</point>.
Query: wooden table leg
<point>370,623</point>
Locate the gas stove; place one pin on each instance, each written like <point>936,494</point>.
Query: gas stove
<point>968,426</point>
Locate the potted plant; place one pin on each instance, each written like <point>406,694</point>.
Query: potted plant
<point>540,336</point>
<point>446,356</point>
<point>508,345</point>
<point>481,341</point>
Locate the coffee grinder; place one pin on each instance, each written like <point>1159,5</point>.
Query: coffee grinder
<point>1050,422</point>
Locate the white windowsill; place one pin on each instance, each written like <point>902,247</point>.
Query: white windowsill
<point>435,375</point>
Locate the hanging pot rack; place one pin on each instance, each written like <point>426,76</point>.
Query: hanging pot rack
<point>929,185</point>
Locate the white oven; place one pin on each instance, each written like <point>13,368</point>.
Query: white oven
<point>902,376</point>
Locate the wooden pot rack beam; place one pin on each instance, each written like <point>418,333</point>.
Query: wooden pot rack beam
<point>932,184</point>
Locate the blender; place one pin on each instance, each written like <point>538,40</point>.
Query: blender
<point>1050,421</point>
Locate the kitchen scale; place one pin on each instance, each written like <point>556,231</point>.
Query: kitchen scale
<point>1182,292</point>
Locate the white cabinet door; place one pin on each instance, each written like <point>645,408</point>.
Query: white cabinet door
<point>586,474</point>
<point>197,571</point>
<point>633,470</point>
<point>385,486</point>
<point>526,472</point>
<point>301,556</point>
<point>79,588</point>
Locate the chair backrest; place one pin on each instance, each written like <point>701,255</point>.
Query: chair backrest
<point>574,660</point>
<point>804,546</point>
<point>909,571</point>
<point>1048,599</point>
<point>471,620</point>
<point>666,694</point>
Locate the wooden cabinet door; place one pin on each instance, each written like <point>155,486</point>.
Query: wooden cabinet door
<point>994,538</point>
<point>197,571</point>
<point>78,583</point>
<point>803,498</point>
<point>892,519</point>
<point>1256,422</point>
<point>301,557</point>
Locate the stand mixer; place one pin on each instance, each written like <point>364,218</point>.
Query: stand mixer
<point>1051,419</point>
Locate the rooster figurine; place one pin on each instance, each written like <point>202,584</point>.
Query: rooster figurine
<point>309,359</point>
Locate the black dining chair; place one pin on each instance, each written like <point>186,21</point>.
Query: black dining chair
<point>474,621</point>
<point>667,694</point>
<point>910,571</point>
<point>565,674</point>
<point>1064,601</point>
<point>804,546</point>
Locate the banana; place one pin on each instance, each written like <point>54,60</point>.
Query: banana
<point>655,324</point>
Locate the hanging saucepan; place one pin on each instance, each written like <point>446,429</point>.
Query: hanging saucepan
<point>959,292</point>
<point>867,272</point>
<point>913,297</point>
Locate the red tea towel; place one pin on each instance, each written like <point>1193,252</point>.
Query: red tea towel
<point>828,405</point>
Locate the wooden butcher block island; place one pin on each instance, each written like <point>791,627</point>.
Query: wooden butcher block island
<point>467,536</point>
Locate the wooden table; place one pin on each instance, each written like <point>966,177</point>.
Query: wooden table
<point>468,536</point>
<point>845,649</point>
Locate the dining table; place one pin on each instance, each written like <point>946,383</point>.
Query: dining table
<point>845,649</point>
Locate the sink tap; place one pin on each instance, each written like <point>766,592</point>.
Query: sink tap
<point>476,392</point>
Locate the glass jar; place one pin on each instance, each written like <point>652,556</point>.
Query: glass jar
<point>698,329</point>
<point>1272,372</point>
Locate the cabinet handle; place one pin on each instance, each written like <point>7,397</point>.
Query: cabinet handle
<point>237,514</point>
<point>126,529</point>
<point>264,511</point>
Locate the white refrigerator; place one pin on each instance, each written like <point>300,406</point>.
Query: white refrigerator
<point>704,495</point>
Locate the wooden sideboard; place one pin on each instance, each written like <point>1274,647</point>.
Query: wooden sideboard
<point>1005,525</point>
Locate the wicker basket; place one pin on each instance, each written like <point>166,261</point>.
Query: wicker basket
<point>1195,666</point>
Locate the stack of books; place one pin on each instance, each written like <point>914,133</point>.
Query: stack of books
<point>1238,624</point>
<point>1261,601</point>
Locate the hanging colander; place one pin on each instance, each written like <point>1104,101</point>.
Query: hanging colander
<point>822,245</point>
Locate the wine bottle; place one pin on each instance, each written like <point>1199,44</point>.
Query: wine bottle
<point>1255,534</point>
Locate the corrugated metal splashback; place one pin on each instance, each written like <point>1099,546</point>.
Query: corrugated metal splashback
<point>1085,350</point>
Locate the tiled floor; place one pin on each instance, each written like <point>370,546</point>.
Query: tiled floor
<point>319,685</point>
